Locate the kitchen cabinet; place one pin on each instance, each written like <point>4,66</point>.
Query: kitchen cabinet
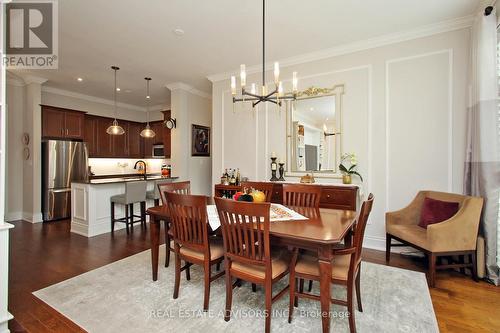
<point>157,127</point>
<point>103,139</point>
<point>167,141</point>
<point>135,140</point>
<point>90,134</point>
<point>59,123</point>
<point>120,143</point>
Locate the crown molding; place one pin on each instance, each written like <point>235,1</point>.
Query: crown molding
<point>29,79</point>
<point>393,38</point>
<point>188,88</point>
<point>14,80</point>
<point>94,99</point>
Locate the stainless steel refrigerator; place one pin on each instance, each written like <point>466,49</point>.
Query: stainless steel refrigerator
<point>62,163</point>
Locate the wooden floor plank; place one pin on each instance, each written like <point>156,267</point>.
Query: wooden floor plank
<point>47,253</point>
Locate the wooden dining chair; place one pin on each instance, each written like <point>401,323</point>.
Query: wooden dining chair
<point>265,187</point>
<point>179,188</point>
<point>192,243</point>
<point>301,195</point>
<point>346,269</point>
<point>247,251</point>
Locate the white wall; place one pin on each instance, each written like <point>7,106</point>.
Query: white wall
<point>190,108</point>
<point>14,181</point>
<point>404,113</point>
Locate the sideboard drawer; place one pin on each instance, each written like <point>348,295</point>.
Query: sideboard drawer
<point>338,198</point>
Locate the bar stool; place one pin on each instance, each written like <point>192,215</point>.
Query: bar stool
<point>155,193</point>
<point>134,192</point>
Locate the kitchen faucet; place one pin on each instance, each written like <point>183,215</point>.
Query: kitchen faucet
<point>145,168</point>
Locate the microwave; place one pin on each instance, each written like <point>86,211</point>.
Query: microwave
<point>158,151</point>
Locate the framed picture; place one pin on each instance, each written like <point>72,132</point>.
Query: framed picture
<point>200,140</point>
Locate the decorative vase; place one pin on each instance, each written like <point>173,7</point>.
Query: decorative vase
<point>346,179</point>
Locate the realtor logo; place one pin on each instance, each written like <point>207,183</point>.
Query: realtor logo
<point>31,35</point>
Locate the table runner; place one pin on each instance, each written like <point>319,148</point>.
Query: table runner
<point>278,213</point>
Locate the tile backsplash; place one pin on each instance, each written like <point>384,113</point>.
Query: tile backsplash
<point>111,166</point>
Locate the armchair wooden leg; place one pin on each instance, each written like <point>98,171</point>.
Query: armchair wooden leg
<point>387,247</point>
<point>358,290</point>
<point>167,245</point>
<point>474,266</point>
<point>177,275</point>
<point>254,287</point>
<point>350,306</point>
<point>112,217</point>
<point>188,273</point>
<point>269,297</point>
<point>432,270</point>
<point>229,293</point>
<point>291,294</point>
<point>206,297</point>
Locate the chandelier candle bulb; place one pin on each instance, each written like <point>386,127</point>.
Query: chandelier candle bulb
<point>276,72</point>
<point>294,81</point>
<point>243,76</point>
<point>233,85</point>
<point>253,89</point>
<point>280,89</point>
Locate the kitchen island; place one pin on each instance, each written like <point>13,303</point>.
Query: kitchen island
<point>91,207</point>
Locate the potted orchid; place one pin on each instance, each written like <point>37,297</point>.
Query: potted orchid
<point>348,164</point>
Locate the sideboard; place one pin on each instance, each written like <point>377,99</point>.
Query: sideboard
<point>332,196</point>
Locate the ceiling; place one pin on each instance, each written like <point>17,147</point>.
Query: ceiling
<point>219,36</point>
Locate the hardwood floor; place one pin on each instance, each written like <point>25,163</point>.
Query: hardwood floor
<point>44,254</point>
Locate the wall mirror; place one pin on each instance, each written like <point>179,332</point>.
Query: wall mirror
<point>314,132</point>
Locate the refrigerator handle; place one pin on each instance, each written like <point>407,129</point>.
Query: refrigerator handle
<point>86,158</point>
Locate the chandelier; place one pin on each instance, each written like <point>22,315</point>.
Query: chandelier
<point>275,96</point>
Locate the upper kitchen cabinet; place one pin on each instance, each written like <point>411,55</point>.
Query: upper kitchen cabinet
<point>135,140</point>
<point>167,142</point>
<point>103,140</point>
<point>90,134</point>
<point>120,143</point>
<point>59,123</point>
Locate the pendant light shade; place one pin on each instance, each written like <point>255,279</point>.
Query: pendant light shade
<point>115,129</point>
<point>147,132</point>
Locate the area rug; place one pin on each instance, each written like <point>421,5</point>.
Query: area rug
<point>121,297</point>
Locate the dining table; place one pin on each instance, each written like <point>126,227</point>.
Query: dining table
<point>322,231</point>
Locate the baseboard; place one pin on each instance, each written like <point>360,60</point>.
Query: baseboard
<point>14,216</point>
<point>33,218</point>
<point>378,243</point>
<point>4,320</point>
<point>374,242</point>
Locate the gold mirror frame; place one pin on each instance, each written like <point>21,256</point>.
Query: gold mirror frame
<point>315,92</point>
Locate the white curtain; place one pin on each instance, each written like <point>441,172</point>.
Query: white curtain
<point>482,170</point>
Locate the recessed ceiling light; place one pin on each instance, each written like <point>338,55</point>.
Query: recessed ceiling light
<point>178,31</point>
<point>118,89</point>
<point>148,97</point>
<point>312,109</point>
<point>79,79</point>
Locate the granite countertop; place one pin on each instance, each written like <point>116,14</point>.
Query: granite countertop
<point>115,179</point>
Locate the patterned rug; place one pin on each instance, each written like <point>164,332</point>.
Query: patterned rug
<point>121,297</point>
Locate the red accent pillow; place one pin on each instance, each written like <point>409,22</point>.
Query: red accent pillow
<point>435,211</point>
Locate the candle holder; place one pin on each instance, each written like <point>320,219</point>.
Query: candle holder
<point>281,171</point>
<point>274,167</point>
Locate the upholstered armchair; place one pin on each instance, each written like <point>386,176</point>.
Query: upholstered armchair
<point>455,236</point>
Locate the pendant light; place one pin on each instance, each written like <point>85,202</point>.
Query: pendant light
<point>147,132</point>
<point>115,129</point>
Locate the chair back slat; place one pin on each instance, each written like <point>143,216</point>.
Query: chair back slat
<point>267,188</point>
<point>300,195</point>
<point>245,231</point>
<point>188,214</point>
<point>177,187</point>
<point>359,229</point>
